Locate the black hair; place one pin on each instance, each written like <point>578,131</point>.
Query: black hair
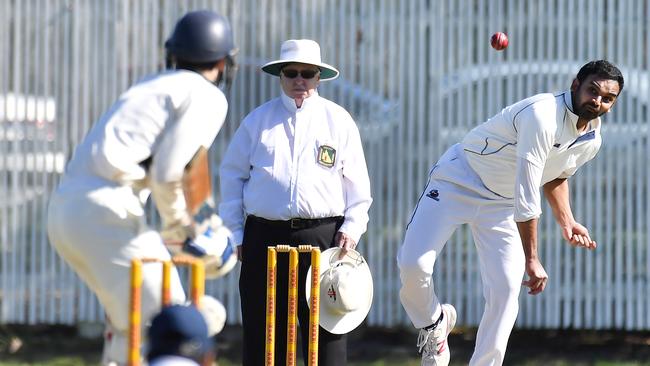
<point>603,69</point>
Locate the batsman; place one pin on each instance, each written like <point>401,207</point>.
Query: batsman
<point>490,181</point>
<point>152,141</point>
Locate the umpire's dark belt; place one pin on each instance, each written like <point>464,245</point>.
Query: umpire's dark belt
<point>294,224</point>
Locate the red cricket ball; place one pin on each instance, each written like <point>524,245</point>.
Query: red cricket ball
<point>499,41</point>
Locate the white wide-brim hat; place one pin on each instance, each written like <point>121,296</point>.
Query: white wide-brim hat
<point>304,51</point>
<point>345,290</point>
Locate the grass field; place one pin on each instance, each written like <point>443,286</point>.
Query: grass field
<point>60,346</point>
<point>75,361</point>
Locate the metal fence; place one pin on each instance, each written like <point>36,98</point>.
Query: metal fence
<point>416,75</point>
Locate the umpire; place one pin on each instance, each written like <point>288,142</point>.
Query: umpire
<point>294,173</point>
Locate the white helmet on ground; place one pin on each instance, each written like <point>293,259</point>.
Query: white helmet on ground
<point>214,313</point>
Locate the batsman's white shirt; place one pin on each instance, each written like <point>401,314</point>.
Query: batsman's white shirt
<point>273,167</point>
<point>165,119</point>
<point>96,216</point>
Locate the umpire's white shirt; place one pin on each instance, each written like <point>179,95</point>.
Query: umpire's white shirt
<point>528,144</point>
<point>272,168</point>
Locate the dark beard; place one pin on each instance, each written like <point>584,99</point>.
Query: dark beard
<point>585,113</point>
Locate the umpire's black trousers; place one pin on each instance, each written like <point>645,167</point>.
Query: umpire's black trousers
<point>258,235</point>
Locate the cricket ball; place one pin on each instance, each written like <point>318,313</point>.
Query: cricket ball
<point>499,41</point>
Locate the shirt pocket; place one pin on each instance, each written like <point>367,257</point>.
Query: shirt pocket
<point>327,155</point>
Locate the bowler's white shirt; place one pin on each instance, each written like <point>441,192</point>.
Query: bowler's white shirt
<point>539,135</point>
<point>271,167</point>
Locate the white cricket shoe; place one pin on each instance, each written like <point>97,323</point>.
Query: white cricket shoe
<point>433,343</point>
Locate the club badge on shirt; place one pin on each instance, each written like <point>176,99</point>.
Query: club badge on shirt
<point>326,156</point>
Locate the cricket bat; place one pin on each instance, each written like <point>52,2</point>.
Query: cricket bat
<point>197,184</point>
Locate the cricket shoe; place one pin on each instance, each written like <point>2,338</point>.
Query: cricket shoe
<point>432,343</point>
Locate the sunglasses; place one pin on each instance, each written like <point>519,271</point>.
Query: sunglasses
<point>305,74</point>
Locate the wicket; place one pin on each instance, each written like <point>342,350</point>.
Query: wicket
<point>197,289</point>
<point>292,304</point>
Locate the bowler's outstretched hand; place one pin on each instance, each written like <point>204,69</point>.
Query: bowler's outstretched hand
<point>577,235</point>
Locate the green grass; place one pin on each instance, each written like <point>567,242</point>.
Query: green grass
<point>78,361</point>
<point>57,361</point>
<point>51,346</point>
<point>374,363</point>
<point>414,361</point>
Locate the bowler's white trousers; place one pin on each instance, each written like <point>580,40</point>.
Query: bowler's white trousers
<point>98,226</point>
<point>454,196</point>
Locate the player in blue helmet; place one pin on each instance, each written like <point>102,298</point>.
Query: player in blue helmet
<point>143,145</point>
